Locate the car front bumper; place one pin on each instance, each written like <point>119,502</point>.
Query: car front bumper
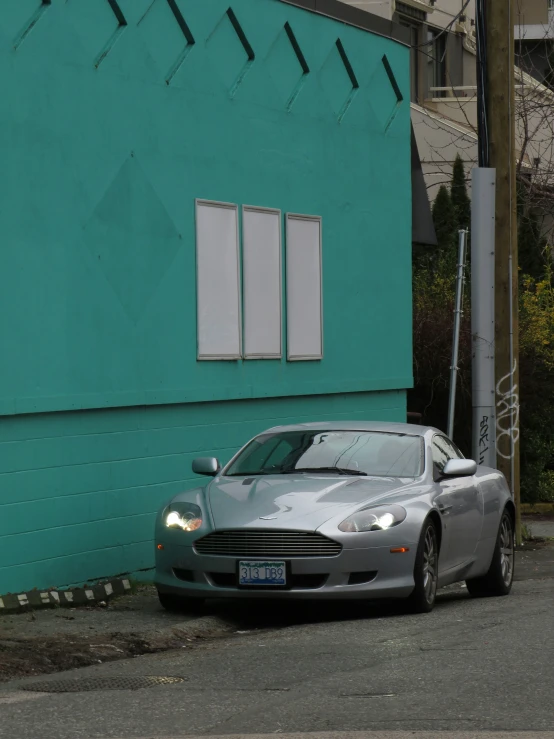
<point>373,573</point>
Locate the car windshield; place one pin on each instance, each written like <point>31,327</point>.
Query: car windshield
<point>370,453</point>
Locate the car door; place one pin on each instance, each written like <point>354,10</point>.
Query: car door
<point>460,504</point>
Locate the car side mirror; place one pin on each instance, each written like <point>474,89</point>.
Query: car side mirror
<point>208,466</point>
<point>460,468</point>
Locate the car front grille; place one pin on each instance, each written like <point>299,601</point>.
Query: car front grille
<point>267,543</point>
<point>360,578</point>
<point>185,575</point>
<point>295,582</point>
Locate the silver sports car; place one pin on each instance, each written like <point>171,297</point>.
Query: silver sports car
<point>338,510</point>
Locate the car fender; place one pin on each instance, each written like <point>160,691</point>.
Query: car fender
<point>418,509</point>
<point>496,494</point>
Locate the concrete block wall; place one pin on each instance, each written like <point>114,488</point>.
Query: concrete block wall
<point>79,491</point>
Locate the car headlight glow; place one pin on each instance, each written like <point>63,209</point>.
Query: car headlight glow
<point>374,519</point>
<point>187,518</point>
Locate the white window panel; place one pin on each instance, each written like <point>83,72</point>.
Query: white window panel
<point>304,288</point>
<point>261,272</point>
<point>218,281</point>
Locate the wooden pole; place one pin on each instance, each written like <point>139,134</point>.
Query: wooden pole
<point>499,19</point>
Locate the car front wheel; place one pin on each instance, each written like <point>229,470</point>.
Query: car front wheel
<point>422,599</point>
<point>499,578</point>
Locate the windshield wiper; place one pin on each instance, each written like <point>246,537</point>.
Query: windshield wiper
<point>338,470</point>
<point>291,470</point>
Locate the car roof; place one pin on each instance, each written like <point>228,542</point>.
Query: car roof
<point>377,426</point>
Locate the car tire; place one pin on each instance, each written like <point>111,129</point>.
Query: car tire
<point>180,604</point>
<point>422,599</point>
<point>498,580</point>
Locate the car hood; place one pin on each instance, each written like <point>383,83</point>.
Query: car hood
<point>293,501</point>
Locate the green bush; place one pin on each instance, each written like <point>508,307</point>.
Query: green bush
<point>434,287</point>
<point>458,193</point>
<point>536,332</point>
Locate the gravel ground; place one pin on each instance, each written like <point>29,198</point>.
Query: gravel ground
<point>540,525</point>
<point>48,641</point>
<point>44,641</point>
<point>472,665</point>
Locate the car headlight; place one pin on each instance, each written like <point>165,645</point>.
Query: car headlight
<point>187,517</point>
<point>374,519</point>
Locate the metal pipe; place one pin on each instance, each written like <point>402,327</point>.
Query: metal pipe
<point>458,311</point>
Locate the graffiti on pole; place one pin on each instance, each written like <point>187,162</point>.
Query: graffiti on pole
<point>484,443</point>
<point>507,413</point>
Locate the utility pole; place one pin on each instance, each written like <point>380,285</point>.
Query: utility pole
<point>499,19</point>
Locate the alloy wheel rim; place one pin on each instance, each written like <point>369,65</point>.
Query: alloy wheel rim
<point>506,551</point>
<point>430,565</point>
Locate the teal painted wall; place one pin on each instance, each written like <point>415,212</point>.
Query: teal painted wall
<point>108,133</point>
<point>102,161</point>
<point>80,490</point>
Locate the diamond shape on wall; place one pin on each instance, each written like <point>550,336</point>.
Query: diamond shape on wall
<point>338,80</point>
<point>386,96</point>
<point>229,52</point>
<point>132,238</point>
<point>167,35</point>
<point>121,22</point>
<point>287,66</point>
<point>35,12</point>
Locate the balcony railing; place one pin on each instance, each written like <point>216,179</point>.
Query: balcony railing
<point>523,83</point>
<point>459,91</point>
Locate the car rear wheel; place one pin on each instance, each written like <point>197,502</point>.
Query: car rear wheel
<point>422,599</point>
<point>498,580</point>
<point>180,604</point>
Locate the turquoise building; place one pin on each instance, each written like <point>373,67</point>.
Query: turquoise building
<point>206,227</point>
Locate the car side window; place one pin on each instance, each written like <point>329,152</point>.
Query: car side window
<point>443,452</point>
<point>455,453</point>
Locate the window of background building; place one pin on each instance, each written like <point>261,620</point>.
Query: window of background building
<point>414,59</point>
<point>436,62</point>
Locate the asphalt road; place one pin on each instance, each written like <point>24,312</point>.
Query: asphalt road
<point>471,666</point>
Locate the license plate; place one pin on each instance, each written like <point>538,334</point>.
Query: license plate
<point>262,573</point>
